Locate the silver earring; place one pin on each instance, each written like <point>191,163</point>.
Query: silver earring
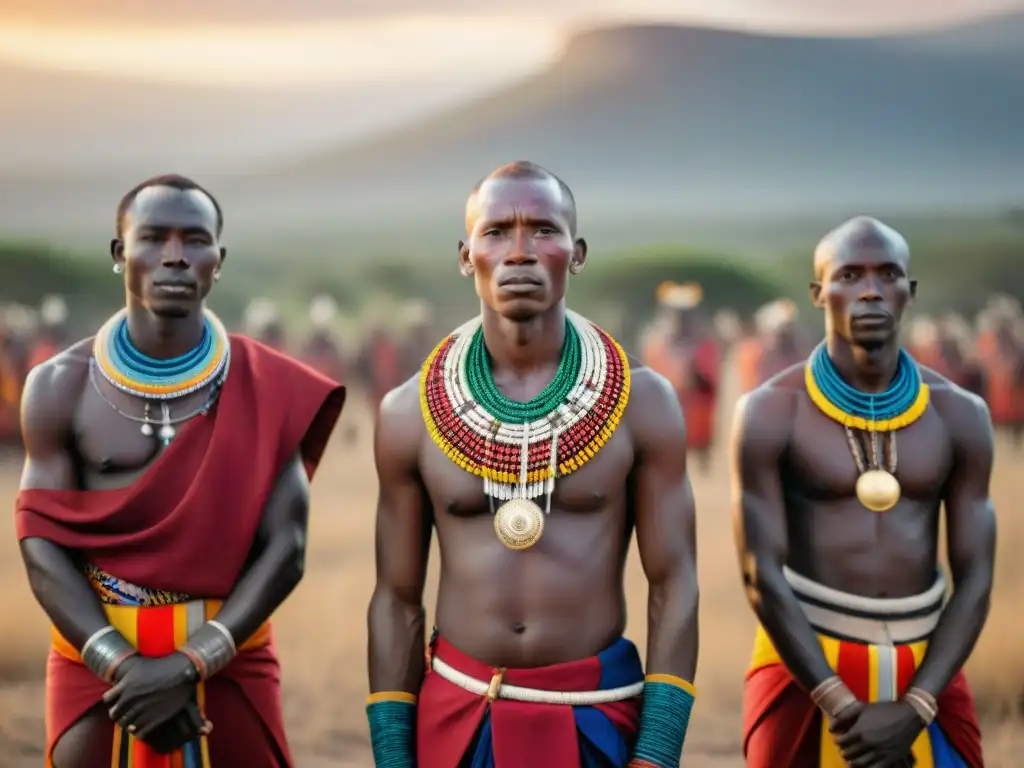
<point>118,269</point>
<point>468,270</point>
<point>216,277</point>
<point>575,267</point>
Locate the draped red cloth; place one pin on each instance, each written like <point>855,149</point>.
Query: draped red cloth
<point>189,522</point>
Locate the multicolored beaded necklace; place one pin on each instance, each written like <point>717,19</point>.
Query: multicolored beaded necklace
<point>519,449</point>
<point>131,371</point>
<point>900,405</point>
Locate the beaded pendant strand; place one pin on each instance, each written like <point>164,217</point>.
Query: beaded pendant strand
<point>519,449</point>
<point>126,368</point>
<point>900,405</point>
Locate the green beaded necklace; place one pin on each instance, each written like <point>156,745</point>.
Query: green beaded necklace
<point>483,390</point>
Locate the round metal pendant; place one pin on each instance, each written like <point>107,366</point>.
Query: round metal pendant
<point>519,523</point>
<point>878,490</point>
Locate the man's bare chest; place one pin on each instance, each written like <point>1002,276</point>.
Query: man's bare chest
<point>825,458</point>
<point>600,484</point>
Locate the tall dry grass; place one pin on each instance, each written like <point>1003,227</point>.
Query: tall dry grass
<point>321,629</point>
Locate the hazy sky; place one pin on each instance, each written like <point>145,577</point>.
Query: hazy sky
<point>269,42</point>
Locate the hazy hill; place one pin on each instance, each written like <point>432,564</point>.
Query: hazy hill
<point>665,123</point>
<point>706,121</point>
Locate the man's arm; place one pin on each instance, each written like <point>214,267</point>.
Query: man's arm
<point>664,511</point>
<point>47,407</point>
<point>971,544</point>
<point>396,619</point>
<point>761,430</point>
<point>665,526</point>
<point>280,563</point>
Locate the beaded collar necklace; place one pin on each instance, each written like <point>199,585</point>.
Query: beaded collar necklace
<point>125,367</point>
<point>519,449</point>
<point>900,405</point>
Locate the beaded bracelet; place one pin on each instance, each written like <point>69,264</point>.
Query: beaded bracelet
<point>105,651</point>
<point>392,716</point>
<point>210,649</point>
<point>668,701</point>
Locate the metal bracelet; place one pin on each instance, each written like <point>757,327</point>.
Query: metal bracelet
<point>923,703</point>
<point>832,696</point>
<point>214,645</point>
<point>104,652</point>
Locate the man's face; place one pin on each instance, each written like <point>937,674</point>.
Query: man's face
<point>864,292</point>
<point>169,250</point>
<point>520,244</point>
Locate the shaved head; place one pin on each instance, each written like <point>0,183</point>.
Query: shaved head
<point>521,170</point>
<point>860,234</point>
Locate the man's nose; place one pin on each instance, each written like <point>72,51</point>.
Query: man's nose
<point>522,251</point>
<point>173,254</point>
<point>870,288</point>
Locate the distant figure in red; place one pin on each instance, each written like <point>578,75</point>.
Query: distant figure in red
<point>380,364</point>
<point>322,352</point>
<point>682,347</point>
<point>263,322</point>
<point>782,345</point>
<point>52,336</point>
<point>1002,355</point>
<point>419,339</point>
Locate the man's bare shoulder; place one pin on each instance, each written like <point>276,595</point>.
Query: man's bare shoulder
<point>650,392</point>
<point>764,417</point>
<point>400,421</point>
<point>58,381</point>
<point>53,389</point>
<point>961,411</point>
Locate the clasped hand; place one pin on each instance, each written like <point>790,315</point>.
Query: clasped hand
<point>155,700</point>
<point>877,735</point>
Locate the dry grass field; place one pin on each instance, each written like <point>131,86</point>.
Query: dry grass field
<point>321,630</point>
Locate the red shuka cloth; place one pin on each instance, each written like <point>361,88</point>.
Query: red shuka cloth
<point>524,734</point>
<point>189,522</point>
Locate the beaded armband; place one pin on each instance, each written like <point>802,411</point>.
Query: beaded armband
<point>392,716</point>
<point>105,651</point>
<point>668,701</point>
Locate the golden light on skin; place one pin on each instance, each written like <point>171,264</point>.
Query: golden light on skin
<point>399,48</point>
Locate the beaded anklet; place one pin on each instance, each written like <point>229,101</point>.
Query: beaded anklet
<point>668,701</point>
<point>392,716</point>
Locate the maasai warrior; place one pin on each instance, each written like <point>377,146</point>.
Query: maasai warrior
<point>517,446</point>
<point>858,657</point>
<point>419,340</point>
<point>53,329</point>
<point>263,322</point>
<point>322,352</point>
<point>162,512</point>
<point>684,351</point>
<point>1001,355</point>
<point>781,344</point>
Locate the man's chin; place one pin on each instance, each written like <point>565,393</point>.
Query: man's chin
<point>521,310</point>
<point>172,311</point>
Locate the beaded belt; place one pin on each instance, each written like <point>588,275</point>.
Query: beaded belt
<point>116,591</point>
<point>496,689</point>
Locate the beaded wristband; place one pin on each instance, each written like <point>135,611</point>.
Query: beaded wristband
<point>668,701</point>
<point>105,651</point>
<point>210,649</point>
<point>392,716</point>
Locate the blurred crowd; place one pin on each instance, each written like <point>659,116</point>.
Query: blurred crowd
<point>685,341</point>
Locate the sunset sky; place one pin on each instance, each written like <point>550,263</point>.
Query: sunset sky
<point>260,43</point>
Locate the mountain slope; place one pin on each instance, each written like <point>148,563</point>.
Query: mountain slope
<point>708,122</point>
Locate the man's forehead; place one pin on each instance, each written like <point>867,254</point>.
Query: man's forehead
<point>518,192</point>
<point>867,255</point>
<point>169,206</point>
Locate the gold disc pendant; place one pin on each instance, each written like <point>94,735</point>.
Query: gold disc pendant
<point>519,523</point>
<point>878,490</point>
